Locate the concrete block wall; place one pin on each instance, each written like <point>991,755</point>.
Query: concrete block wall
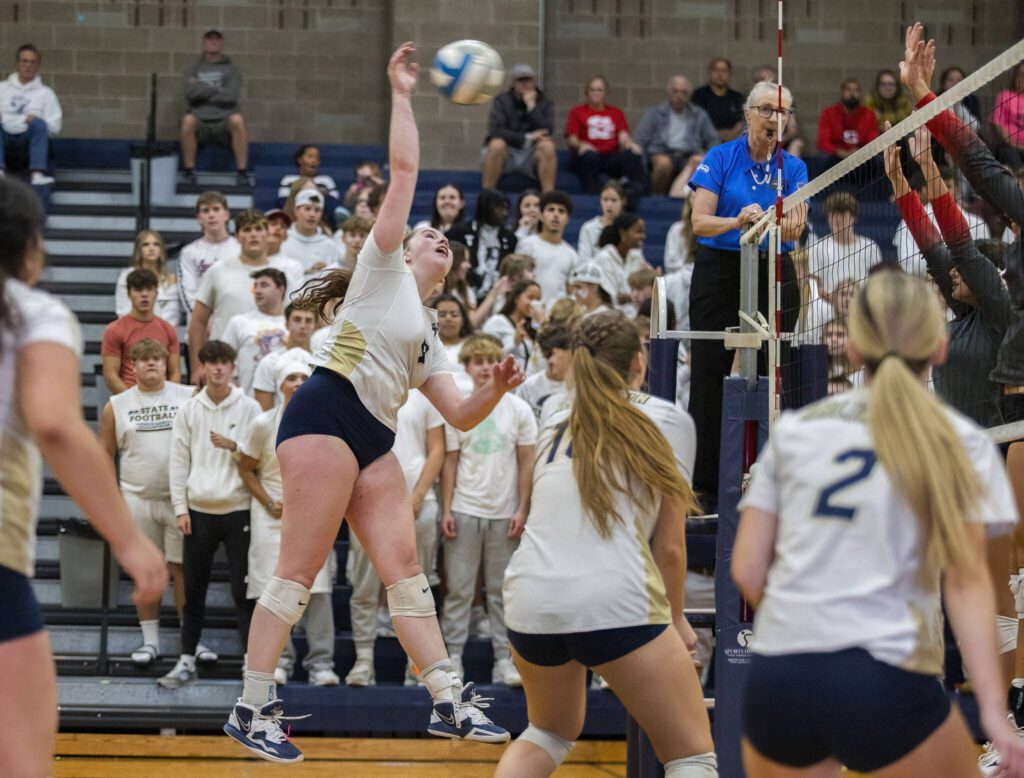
<point>314,69</point>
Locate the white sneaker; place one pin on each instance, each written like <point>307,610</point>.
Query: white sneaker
<point>457,667</point>
<point>362,673</point>
<point>1018,592</point>
<point>184,672</point>
<point>280,676</point>
<point>144,655</point>
<point>323,678</point>
<point>41,179</point>
<point>988,762</point>
<point>205,655</point>
<point>479,623</point>
<point>504,672</point>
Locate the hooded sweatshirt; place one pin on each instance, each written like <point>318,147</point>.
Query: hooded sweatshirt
<point>212,89</point>
<point>203,477</point>
<point>18,100</point>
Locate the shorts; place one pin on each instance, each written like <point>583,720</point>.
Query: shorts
<point>20,614</point>
<point>590,649</point>
<point>215,132</point>
<point>327,404</point>
<point>157,521</point>
<point>679,160</point>
<point>799,709</point>
<point>518,160</point>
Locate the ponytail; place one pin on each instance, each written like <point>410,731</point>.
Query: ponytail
<point>328,290</point>
<point>616,446</point>
<point>896,326</point>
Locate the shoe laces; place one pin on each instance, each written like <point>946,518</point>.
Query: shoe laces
<point>271,724</point>
<point>473,708</point>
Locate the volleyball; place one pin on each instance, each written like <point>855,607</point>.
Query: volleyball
<point>468,72</point>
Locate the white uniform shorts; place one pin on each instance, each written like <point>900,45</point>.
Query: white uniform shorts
<point>157,521</point>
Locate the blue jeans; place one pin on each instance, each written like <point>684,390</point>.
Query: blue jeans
<point>37,138</point>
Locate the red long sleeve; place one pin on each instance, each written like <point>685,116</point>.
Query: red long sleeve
<point>917,221</point>
<point>944,126</point>
<point>951,220</point>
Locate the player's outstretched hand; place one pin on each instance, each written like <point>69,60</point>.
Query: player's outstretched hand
<point>507,374</point>
<point>918,63</point>
<point>402,72</point>
<point>145,564</point>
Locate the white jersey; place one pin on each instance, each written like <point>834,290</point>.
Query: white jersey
<point>383,340</point>
<point>167,305</point>
<point>554,263</point>
<point>253,335</point>
<point>586,243</point>
<point>311,250</point>
<point>537,389</point>
<point>38,318</point>
<point>265,378</point>
<point>566,577</point>
<point>834,262</point>
<point>142,427</point>
<point>415,419</point>
<point>847,564</point>
<point>193,262</point>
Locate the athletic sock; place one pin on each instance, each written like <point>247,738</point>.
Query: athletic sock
<point>151,633</point>
<point>258,688</point>
<point>440,679</point>
<point>696,766</point>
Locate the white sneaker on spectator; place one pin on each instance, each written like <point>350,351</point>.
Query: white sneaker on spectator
<point>205,655</point>
<point>183,672</point>
<point>325,677</point>
<point>504,672</point>
<point>479,623</point>
<point>280,676</point>
<point>361,674</point>
<point>144,655</point>
<point>41,179</point>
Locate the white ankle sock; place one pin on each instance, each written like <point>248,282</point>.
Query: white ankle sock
<point>151,632</point>
<point>258,688</point>
<point>696,766</point>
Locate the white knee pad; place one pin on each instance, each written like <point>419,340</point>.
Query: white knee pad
<point>556,747</point>
<point>285,599</point>
<point>1006,631</point>
<point>696,766</point>
<point>411,597</point>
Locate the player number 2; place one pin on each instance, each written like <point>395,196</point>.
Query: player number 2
<point>827,507</point>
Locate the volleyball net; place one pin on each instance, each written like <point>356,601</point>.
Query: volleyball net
<point>937,204</point>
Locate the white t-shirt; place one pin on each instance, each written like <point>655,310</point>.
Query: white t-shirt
<point>383,340</point>
<point>554,261</point>
<point>677,255</point>
<point>310,250</point>
<point>265,377</point>
<point>142,427</point>
<point>601,583</point>
<point>848,549</point>
<point>253,335</point>
<point>816,314</point>
<point>586,243</point>
<point>292,270</point>
<point>195,259</point>
<point>617,270</point>
<point>415,419</point>
<point>486,485</point>
<point>538,388</point>
<point>39,318</point>
<point>833,262</point>
<point>227,290</point>
<point>168,301</point>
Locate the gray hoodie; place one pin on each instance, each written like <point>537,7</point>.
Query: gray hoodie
<point>212,89</point>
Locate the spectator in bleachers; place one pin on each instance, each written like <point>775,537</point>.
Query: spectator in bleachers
<point>485,498</point>
<point>591,288</point>
<point>950,77</point>
<point>527,213</point>
<point>456,282</point>
<point>299,185</point>
<point>512,269</point>
<point>1008,120</point>
<point>846,126</point>
<point>553,257</point>
<point>723,104</point>
<point>210,499</point>
<point>368,175</point>
<point>307,160</point>
<point>519,133</point>
<point>453,327</point>
<point>565,311</point>
<point>613,201</point>
<point>135,427</point>
<point>487,238</point>
<point>641,286</point>
<point>361,206</point>
<point>213,86</point>
<point>140,323</point>
<point>261,332</point>
<point>278,222</point>
<point>307,241</point>
<point>680,242</point>
<point>517,325</point>
<point>150,253</point>
<point>555,342</point>
<point>840,369</point>
<point>299,324</point>
<point>30,114</point>
<point>203,253</point>
<point>843,253</point>
<point>448,208</point>
<point>227,288</point>
<point>261,473</point>
<point>815,306</point>
<point>600,144</point>
<point>375,199</point>
<point>675,135</point>
<point>888,100</point>
<point>620,252</point>
<point>351,237</point>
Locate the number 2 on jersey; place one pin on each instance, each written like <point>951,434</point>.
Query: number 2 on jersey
<point>828,507</point>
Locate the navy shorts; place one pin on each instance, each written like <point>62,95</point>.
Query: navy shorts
<point>799,709</point>
<point>327,404</point>
<point>590,649</point>
<point>20,614</point>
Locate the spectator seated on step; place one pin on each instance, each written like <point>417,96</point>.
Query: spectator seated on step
<point>30,115</point>
<point>151,253</point>
<point>307,160</point>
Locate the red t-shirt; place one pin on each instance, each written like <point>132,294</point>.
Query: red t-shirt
<point>842,129</point>
<point>598,128</point>
<point>121,334</point>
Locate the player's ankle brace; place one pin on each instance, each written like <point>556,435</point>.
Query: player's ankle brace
<point>556,747</point>
<point>438,678</point>
<point>696,766</point>
<point>411,597</point>
<point>285,599</point>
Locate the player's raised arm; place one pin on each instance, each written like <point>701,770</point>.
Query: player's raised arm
<point>403,151</point>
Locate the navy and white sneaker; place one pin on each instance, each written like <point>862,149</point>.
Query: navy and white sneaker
<point>259,730</point>
<point>465,720</point>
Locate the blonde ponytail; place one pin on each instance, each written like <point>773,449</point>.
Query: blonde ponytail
<point>896,326</point>
<point>616,447</point>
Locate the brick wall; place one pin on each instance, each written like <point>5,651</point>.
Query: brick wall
<point>313,69</point>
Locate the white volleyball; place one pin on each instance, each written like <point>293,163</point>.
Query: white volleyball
<point>468,72</point>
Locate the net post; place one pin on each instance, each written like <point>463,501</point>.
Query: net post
<point>748,304</point>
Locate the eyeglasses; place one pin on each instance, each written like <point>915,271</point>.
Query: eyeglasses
<point>768,111</point>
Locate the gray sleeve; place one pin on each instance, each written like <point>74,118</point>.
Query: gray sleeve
<point>227,96</point>
<point>644,132</point>
<point>707,132</point>
<point>196,92</point>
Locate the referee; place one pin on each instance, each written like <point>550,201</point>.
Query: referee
<point>733,186</point>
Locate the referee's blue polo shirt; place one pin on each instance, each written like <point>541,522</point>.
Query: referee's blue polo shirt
<point>728,171</point>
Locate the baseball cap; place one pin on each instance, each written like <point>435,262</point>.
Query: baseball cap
<point>592,273</point>
<point>213,33</point>
<point>290,367</point>
<point>277,213</point>
<point>522,71</point>
<point>309,197</point>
